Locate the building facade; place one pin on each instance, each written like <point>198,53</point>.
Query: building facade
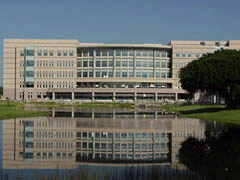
<point>69,70</point>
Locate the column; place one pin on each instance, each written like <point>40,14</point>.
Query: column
<point>156,97</point>
<point>114,96</point>
<point>53,96</point>
<point>135,96</point>
<point>176,97</point>
<point>72,96</point>
<point>93,94</point>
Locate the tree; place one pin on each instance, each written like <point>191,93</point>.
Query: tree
<point>215,157</point>
<point>215,73</point>
<point>1,91</point>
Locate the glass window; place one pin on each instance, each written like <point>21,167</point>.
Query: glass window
<point>85,63</point>
<point>163,75</point>
<point>104,63</point>
<point>144,74</point>
<point>59,53</point>
<point>163,64</point>
<point>110,73</point>
<point>98,62</point>
<point>144,63</point>
<point>117,63</point>
<point>22,53</point>
<point>177,55</point>
<point>29,155</point>
<point>97,73</point>
<point>85,73</point>
<point>138,63</point>
<point>40,53</point>
<point>138,73</point>
<point>157,63</point>
<point>30,52</point>
<point>144,52</point>
<point>164,54</point>
<point>150,63</point>
<point>104,52</point>
<point>90,52</point>
<point>85,53</point>
<point>124,52</point>
<point>124,73</point>
<point>110,63</point>
<point>70,53</point>
<point>98,52</point>
<point>124,135</point>
<point>90,62</point>
<point>30,63</point>
<point>79,73</point>
<point>131,74</point>
<point>130,52</point>
<point>104,73</point>
<point>117,73</point>
<point>30,73</point>
<point>130,63</point>
<point>79,63</point>
<point>90,73</point>
<point>138,52</point>
<point>124,63</point>
<point>118,52</point>
<point>150,52</point>
<point>110,52</point>
<point>29,134</point>
<point>150,74</point>
<point>29,144</point>
<point>157,53</point>
<point>157,74</point>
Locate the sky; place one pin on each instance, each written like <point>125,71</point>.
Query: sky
<point>119,21</point>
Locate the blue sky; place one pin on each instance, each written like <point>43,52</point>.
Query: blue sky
<point>120,21</point>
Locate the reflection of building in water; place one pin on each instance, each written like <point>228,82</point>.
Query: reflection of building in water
<point>68,138</point>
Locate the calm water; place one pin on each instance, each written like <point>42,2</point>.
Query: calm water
<point>117,144</point>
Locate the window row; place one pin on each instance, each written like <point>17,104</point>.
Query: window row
<point>64,124</point>
<point>65,84</point>
<point>44,123</point>
<point>64,145</point>
<point>47,52</point>
<point>44,84</point>
<point>189,55</point>
<point>45,74</point>
<point>121,136</point>
<point>64,74</point>
<point>44,145</point>
<point>123,73</point>
<point>123,63</point>
<point>122,146</point>
<point>121,52</point>
<point>181,64</point>
<point>49,155</point>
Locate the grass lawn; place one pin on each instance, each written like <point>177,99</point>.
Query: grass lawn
<point>206,112</point>
<point>12,110</point>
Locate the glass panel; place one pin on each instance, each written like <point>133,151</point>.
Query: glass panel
<point>104,63</point>
<point>124,73</point>
<point>30,52</point>
<point>90,52</point>
<point>124,63</point>
<point>138,52</point>
<point>110,52</point>
<point>130,63</point>
<point>30,63</point>
<point>98,62</point>
<point>124,52</point>
<point>130,52</point>
<point>98,52</point>
<point>117,63</point>
<point>144,53</point>
<point>104,52</point>
<point>118,52</point>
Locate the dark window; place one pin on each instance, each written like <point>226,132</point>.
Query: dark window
<point>29,134</point>
<point>30,74</point>
<point>29,155</point>
<point>30,63</point>
<point>202,43</point>
<point>30,52</point>
<point>29,144</point>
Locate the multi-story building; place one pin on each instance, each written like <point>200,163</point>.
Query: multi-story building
<point>69,70</point>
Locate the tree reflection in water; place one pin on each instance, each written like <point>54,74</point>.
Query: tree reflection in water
<point>216,157</point>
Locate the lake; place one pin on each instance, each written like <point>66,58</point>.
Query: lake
<point>117,144</point>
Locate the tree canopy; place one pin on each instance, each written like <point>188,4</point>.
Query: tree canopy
<point>215,73</point>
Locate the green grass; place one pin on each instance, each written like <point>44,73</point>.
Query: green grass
<point>206,112</point>
<point>12,110</point>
